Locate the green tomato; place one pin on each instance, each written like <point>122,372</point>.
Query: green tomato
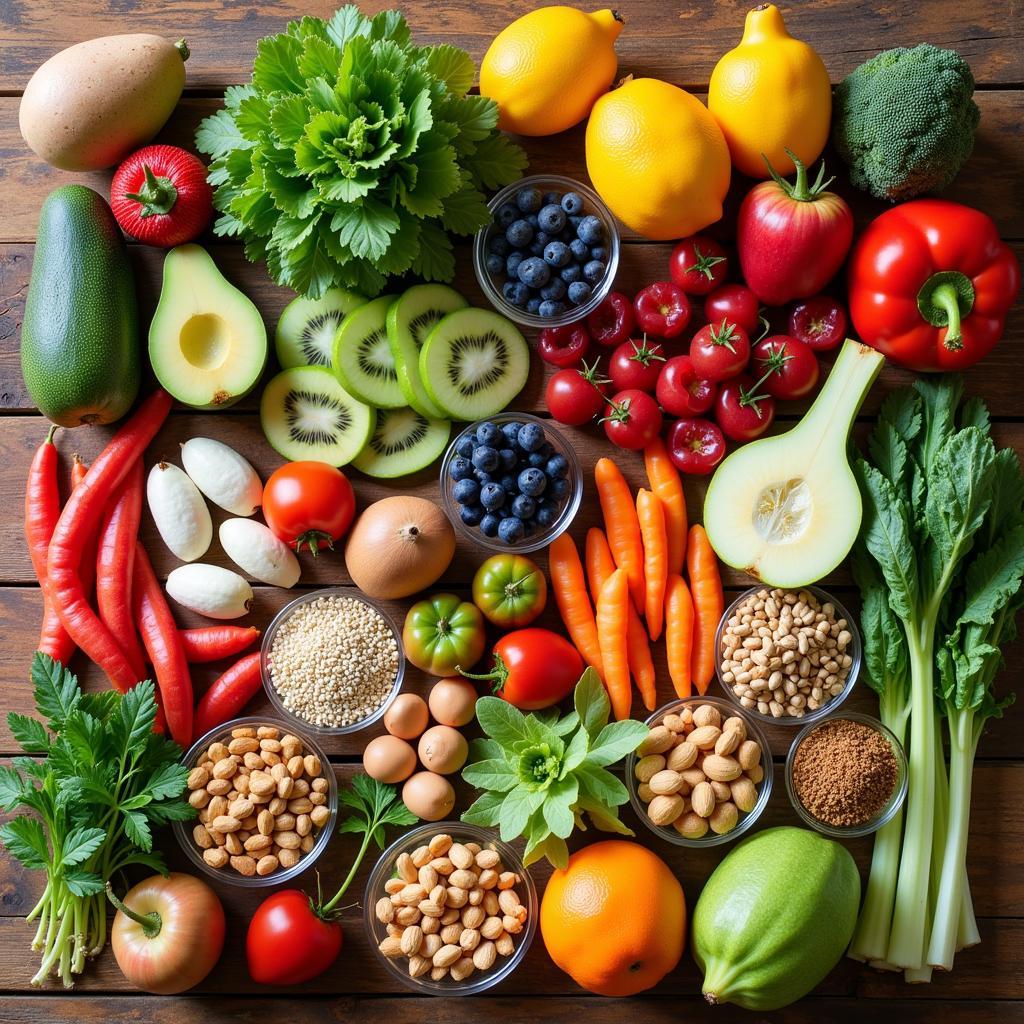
<point>510,590</point>
<point>443,633</point>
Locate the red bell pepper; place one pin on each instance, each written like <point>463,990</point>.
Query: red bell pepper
<point>930,284</point>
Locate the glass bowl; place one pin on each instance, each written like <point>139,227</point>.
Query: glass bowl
<point>491,286</point>
<point>385,868</point>
<point>542,538</point>
<point>183,829</point>
<point>727,710</point>
<point>268,642</point>
<point>853,649</point>
<point>887,813</point>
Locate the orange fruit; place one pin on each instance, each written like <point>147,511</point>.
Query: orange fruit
<point>615,919</point>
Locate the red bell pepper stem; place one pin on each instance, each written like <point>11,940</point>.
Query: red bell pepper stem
<point>80,521</point>
<point>115,558</point>
<point>229,694</point>
<point>211,643</point>
<point>160,636</point>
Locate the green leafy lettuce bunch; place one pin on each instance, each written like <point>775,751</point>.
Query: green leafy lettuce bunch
<point>352,155</point>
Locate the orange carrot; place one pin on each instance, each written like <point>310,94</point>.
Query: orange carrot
<point>679,633</point>
<point>621,526</point>
<point>667,485</point>
<point>612,633</point>
<point>652,528</point>
<point>570,588</point>
<point>708,604</point>
<point>600,565</point>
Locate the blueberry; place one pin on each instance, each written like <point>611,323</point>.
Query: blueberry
<point>591,230</point>
<point>530,437</point>
<point>572,203</point>
<point>599,252</point>
<point>556,467</point>
<point>549,308</point>
<point>541,237</point>
<point>533,221</point>
<point>511,530</point>
<point>515,293</point>
<point>594,271</point>
<point>489,525</point>
<point>508,458</point>
<point>465,447</point>
<point>532,482</point>
<point>571,274</point>
<point>579,249</point>
<point>524,506</point>
<point>552,198</point>
<point>559,488</point>
<point>483,477</point>
<point>534,272</point>
<point>551,218</point>
<point>499,244</point>
<point>485,458</point>
<point>557,254</point>
<point>518,234</point>
<point>546,515</point>
<point>494,263</point>
<point>512,262</point>
<point>554,289</point>
<point>509,485</point>
<point>471,514</point>
<point>510,431</point>
<point>506,213</point>
<point>533,305</point>
<point>487,433</point>
<point>537,460</point>
<point>492,496</point>
<point>528,200</point>
<point>579,292</point>
<point>460,468</point>
<point>466,492</point>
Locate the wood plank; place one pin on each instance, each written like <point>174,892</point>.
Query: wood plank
<point>683,46</point>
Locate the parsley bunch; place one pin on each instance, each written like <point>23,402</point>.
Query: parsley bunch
<point>99,780</point>
<point>352,154</point>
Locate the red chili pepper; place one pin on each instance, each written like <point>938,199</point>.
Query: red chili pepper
<point>228,694</point>
<point>115,558</point>
<point>80,521</point>
<point>930,285</point>
<point>211,643</point>
<point>166,654</point>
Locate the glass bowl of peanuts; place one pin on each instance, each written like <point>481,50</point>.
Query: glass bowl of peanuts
<point>413,926</point>
<point>267,801</point>
<point>703,775</point>
<point>789,657</point>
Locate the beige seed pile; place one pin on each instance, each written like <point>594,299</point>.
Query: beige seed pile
<point>333,661</point>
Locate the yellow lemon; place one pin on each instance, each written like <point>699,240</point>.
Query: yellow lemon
<point>769,94</point>
<point>657,158</point>
<point>547,68</point>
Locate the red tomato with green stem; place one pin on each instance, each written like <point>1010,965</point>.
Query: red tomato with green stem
<point>681,391</point>
<point>636,364</point>
<point>820,322</point>
<point>289,940</point>
<point>308,505</point>
<point>564,346</point>
<point>576,396</point>
<point>632,420</point>
<point>698,264</point>
<point>788,368</point>
<point>662,309</point>
<point>695,446</point>
<point>613,321</point>
<point>735,303</point>
<point>720,350</point>
<point>743,410</point>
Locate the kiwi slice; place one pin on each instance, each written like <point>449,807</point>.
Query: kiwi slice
<point>402,442</point>
<point>362,357</point>
<point>411,317</point>
<point>306,414</point>
<point>305,332</point>
<point>473,363</point>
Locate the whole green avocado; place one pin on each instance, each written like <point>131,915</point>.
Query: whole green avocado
<point>80,336</point>
<point>774,918</point>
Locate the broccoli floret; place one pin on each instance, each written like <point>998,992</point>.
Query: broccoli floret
<point>904,121</point>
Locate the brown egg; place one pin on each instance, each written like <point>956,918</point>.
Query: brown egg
<point>453,701</point>
<point>407,717</point>
<point>429,796</point>
<point>443,749</point>
<point>389,759</point>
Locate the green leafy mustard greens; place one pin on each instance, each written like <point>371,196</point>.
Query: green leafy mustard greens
<point>352,154</point>
<point>904,121</point>
<point>939,563</point>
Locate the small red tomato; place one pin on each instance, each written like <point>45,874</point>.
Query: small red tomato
<point>695,446</point>
<point>288,942</point>
<point>575,396</point>
<point>662,309</point>
<point>613,321</point>
<point>819,322</point>
<point>681,392</point>
<point>787,367</point>
<point>742,411</point>
<point>735,303</point>
<point>564,346</point>
<point>698,265</point>
<point>636,364</point>
<point>720,350</point>
<point>632,420</point>
<point>533,668</point>
<point>308,504</point>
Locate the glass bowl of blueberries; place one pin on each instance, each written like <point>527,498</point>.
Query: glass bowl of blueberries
<point>511,483</point>
<point>550,253</point>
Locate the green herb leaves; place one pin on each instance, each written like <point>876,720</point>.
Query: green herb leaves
<point>352,153</point>
<point>540,773</point>
<point>373,806</point>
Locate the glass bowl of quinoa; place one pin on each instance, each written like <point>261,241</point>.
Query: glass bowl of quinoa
<point>332,661</point>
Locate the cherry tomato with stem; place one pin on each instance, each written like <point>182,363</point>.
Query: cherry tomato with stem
<point>819,322</point>
<point>735,303</point>
<point>681,391</point>
<point>720,350</point>
<point>308,505</point>
<point>662,309</point>
<point>564,346</point>
<point>632,420</point>
<point>787,367</point>
<point>636,364</point>
<point>698,264</point>
<point>574,396</point>
<point>743,410</point>
<point>695,446</point>
<point>613,321</point>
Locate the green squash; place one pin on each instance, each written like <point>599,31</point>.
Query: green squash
<point>775,918</point>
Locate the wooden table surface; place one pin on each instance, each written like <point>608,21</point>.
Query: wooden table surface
<point>681,43</point>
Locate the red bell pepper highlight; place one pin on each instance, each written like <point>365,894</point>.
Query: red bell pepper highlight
<point>229,694</point>
<point>211,643</point>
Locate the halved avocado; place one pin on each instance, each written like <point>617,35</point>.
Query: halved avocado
<point>787,509</point>
<point>207,342</point>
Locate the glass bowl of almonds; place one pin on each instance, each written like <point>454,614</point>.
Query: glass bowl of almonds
<point>789,657</point>
<point>703,775</point>
<point>445,938</point>
<point>267,800</point>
